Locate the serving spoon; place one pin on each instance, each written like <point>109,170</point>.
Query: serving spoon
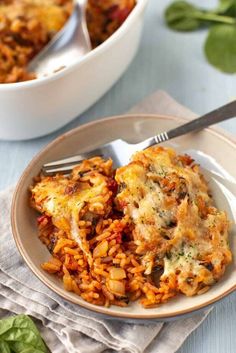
<point>66,47</point>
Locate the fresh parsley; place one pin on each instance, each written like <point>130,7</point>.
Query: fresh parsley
<point>220,46</point>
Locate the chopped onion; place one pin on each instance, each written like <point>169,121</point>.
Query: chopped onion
<point>101,249</point>
<point>116,287</point>
<point>117,273</point>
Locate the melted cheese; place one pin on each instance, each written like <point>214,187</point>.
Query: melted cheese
<point>47,12</point>
<point>175,223</point>
<point>65,200</point>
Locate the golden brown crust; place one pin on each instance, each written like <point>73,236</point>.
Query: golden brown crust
<point>149,234</point>
<point>176,224</point>
<point>26,26</point>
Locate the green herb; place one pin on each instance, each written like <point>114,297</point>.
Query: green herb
<point>162,172</point>
<point>180,16</point>
<point>183,16</point>
<point>18,334</point>
<point>227,7</point>
<point>220,46</point>
<point>224,6</point>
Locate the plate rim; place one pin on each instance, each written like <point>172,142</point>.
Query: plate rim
<point>217,131</point>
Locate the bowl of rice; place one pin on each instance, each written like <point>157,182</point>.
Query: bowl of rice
<point>152,240</point>
<point>33,107</point>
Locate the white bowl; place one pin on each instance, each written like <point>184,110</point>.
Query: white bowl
<point>35,108</point>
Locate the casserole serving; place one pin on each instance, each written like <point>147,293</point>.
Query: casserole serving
<point>218,171</point>
<point>145,231</point>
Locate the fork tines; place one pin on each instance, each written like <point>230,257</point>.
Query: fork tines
<point>162,137</point>
<point>65,165</point>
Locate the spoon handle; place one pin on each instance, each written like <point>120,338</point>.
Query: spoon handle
<point>223,113</point>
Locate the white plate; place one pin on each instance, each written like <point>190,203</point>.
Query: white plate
<point>212,149</point>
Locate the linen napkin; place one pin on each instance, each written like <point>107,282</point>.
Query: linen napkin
<point>68,328</point>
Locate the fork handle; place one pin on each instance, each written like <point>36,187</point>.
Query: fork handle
<point>223,113</point>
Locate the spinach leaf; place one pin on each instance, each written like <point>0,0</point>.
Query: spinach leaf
<point>224,6</point>
<point>19,334</point>
<point>4,347</point>
<point>220,47</point>
<point>183,16</point>
<point>180,16</point>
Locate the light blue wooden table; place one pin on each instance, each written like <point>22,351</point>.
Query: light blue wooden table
<point>173,62</point>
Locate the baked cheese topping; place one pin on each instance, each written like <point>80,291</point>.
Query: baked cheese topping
<point>69,201</point>
<point>171,222</point>
<point>48,12</point>
<point>176,225</point>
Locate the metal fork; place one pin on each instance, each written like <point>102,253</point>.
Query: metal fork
<point>120,151</point>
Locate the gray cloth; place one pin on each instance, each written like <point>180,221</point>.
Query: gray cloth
<point>68,328</point>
